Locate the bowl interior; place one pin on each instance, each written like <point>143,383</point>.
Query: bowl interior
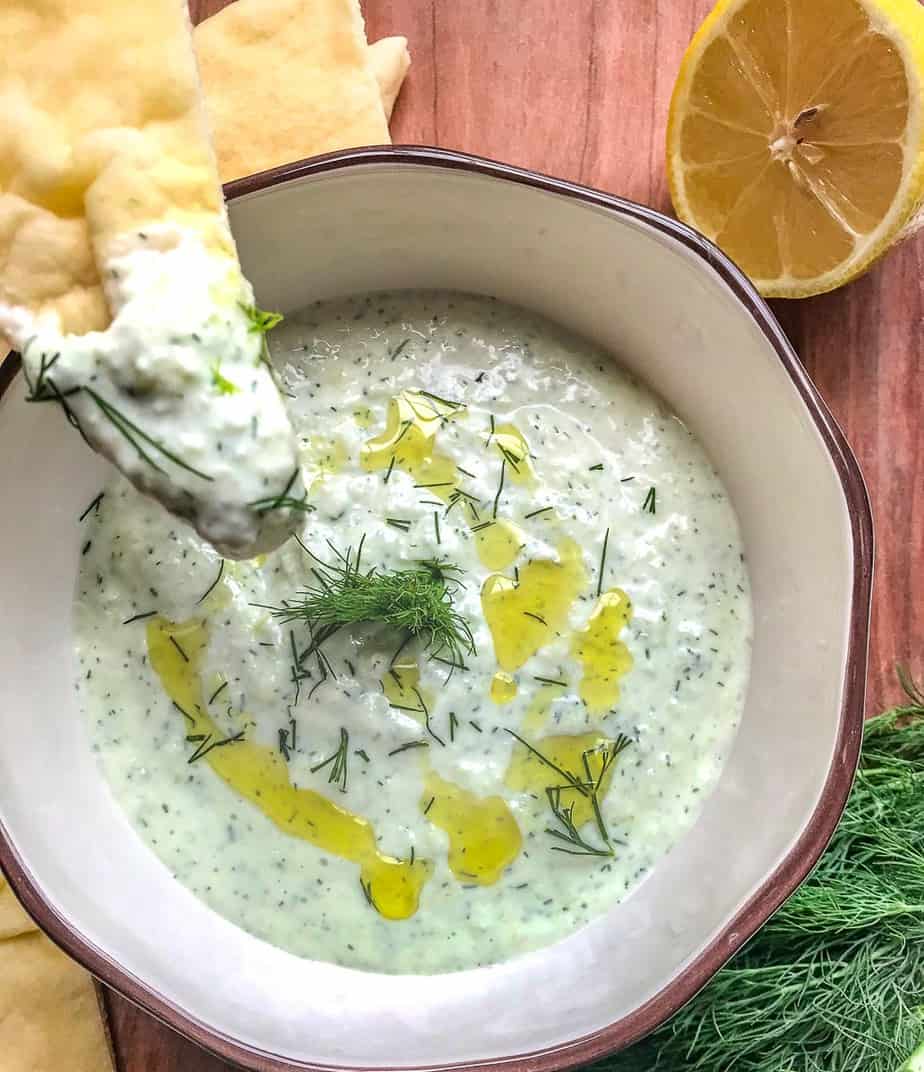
<point>671,318</point>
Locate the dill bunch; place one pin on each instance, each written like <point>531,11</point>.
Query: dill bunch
<point>835,981</point>
<point>418,602</point>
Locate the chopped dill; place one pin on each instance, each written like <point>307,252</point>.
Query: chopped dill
<point>513,460</point>
<point>139,617</point>
<point>337,775</point>
<point>536,513</point>
<point>398,523</point>
<point>500,487</point>
<point>429,805</point>
<point>453,722</point>
<point>436,526</point>
<point>176,644</point>
<point>391,466</point>
<point>363,755</point>
<point>284,744</point>
<point>94,506</point>
<point>399,349</point>
<point>216,693</point>
<point>598,468</point>
<point>550,681</point>
<point>366,887</point>
<point>207,744</point>
<point>606,540</point>
<point>442,401</point>
<point>213,585</point>
<point>535,617</point>
<point>475,726</point>
<point>651,501</point>
<point>408,746</point>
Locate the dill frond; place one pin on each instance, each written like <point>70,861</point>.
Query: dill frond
<point>835,981</point>
<point>418,602</point>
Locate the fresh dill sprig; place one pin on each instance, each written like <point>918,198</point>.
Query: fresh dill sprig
<point>586,784</point>
<point>133,434</point>
<point>418,602</point>
<point>338,761</point>
<point>46,390</point>
<point>835,981</point>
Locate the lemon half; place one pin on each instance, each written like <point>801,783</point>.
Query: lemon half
<point>796,134</point>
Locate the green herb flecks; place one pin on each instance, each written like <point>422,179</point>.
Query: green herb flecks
<point>338,760</point>
<point>835,981</point>
<point>221,383</point>
<point>260,322</point>
<point>418,602</point>
<point>650,505</point>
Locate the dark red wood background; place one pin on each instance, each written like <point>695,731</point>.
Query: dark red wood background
<point>580,89</point>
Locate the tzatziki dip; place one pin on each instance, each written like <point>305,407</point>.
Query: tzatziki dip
<point>484,690</point>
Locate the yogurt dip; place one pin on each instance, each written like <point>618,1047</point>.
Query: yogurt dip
<point>357,794</point>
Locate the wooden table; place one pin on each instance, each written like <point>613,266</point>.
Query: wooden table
<point>580,89</point>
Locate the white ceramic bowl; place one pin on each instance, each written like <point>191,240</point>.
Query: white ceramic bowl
<point>680,316</point>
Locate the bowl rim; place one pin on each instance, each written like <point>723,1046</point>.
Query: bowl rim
<point>804,853</point>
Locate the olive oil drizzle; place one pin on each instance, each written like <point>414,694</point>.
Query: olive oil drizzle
<point>260,775</point>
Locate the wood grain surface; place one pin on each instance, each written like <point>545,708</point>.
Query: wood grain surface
<point>580,89</point>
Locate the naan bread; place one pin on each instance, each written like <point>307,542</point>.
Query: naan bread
<point>49,1013</point>
<point>99,133</point>
<point>13,920</point>
<point>292,78</point>
<point>390,61</point>
<point>94,144</point>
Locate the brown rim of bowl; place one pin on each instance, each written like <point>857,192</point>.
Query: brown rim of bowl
<point>804,854</point>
